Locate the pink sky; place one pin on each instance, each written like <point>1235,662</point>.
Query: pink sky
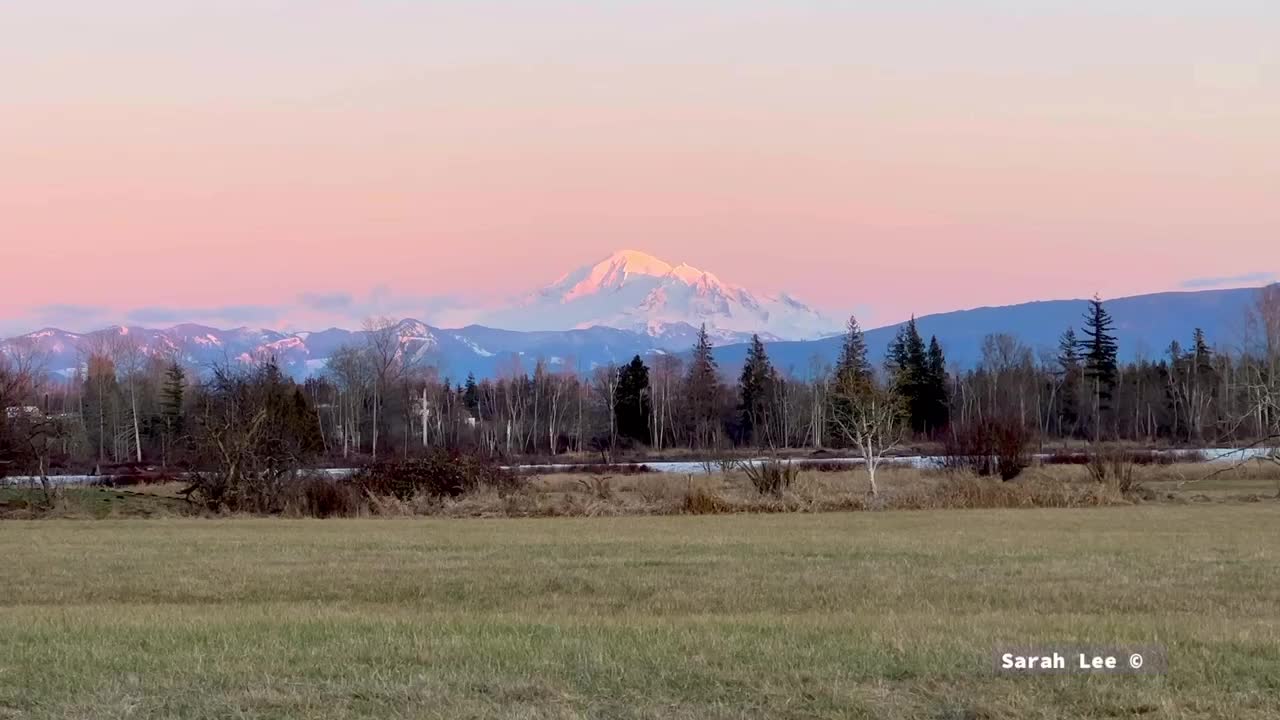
<point>196,156</point>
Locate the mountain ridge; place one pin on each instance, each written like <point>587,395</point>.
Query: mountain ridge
<point>1145,324</point>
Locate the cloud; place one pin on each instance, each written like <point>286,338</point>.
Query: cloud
<point>383,300</point>
<point>62,314</point>
<point>327,302</point>
<point>226,314</point>
<point>380,301</point>
<point>306,312</point>
<point>74,318</point>
<point>1252,278</point>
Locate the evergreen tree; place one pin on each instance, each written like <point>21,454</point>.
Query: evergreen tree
<point>756,389</point>
<point>301,423</point>
<point>937,405</point>
<point>853,363</point>
<point>1201,353</point>
<point>471,395</point>
<point>172,396</point>
<point>853,375</point>
<point>1069,375</point>
<point>172,411</point>
<point>908,365</point>
<point>1206,377</point>
<point>292,430</point>
<point>1100,363</point>
<point>702,390</point>
<point>1068,350</point>
<point>896,359</point>
<point>632,408</point>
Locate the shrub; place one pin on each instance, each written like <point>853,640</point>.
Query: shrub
<point>653,489</point>
<point>698,501</point>
<point>770,477</point>
<point>968,449</point>
<point>1010,440</point>
<point>322,496</point>
<point>1115,469</point>
<point>597,486</point>
<point>254,433</point>
<point>995,446</point>
<point>440,474</point>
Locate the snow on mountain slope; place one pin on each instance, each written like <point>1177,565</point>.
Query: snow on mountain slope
<point>632,290</point>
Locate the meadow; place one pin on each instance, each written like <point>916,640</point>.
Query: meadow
<point>889,614</point>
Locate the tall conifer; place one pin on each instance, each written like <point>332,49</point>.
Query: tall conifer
<point>1069,374</point>
<point>756,389</point>
<point>908,365</point>
<point>937,406</point>
<point>632,408</point>
<point>702,390</point>
<point>1100,363</point>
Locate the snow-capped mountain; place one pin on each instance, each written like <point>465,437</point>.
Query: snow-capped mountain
<point>632,290</point>
<point>627,304</point>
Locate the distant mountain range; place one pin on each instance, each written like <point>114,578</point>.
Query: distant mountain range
<point>487,352</point>
<point>632,303</point>
<point>1144,327</point>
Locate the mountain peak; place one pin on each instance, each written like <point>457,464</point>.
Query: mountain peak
<point>609,274</point>
<point>634,290</point>
<point>640,261</point>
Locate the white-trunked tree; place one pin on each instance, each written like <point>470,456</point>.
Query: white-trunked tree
<point>871,416</point>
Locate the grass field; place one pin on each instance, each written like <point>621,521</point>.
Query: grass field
<point>876,615</point>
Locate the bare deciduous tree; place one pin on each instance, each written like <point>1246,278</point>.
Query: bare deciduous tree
<point>605,388</point>
<point>382,338</point>
<point>130,360</point>
<point>871,417</point>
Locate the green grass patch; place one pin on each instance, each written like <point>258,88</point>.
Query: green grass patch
<point>89,502</point>
<point>873,615</point>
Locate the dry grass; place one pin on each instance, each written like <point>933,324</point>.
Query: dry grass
<point>826,491</point>
<point>842,615</point>
<point>902,488</point>
<point>1186,482</point>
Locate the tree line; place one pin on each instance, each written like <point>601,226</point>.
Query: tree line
<point>374,401</point>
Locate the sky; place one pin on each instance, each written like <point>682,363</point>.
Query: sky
<point>299,164</point>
